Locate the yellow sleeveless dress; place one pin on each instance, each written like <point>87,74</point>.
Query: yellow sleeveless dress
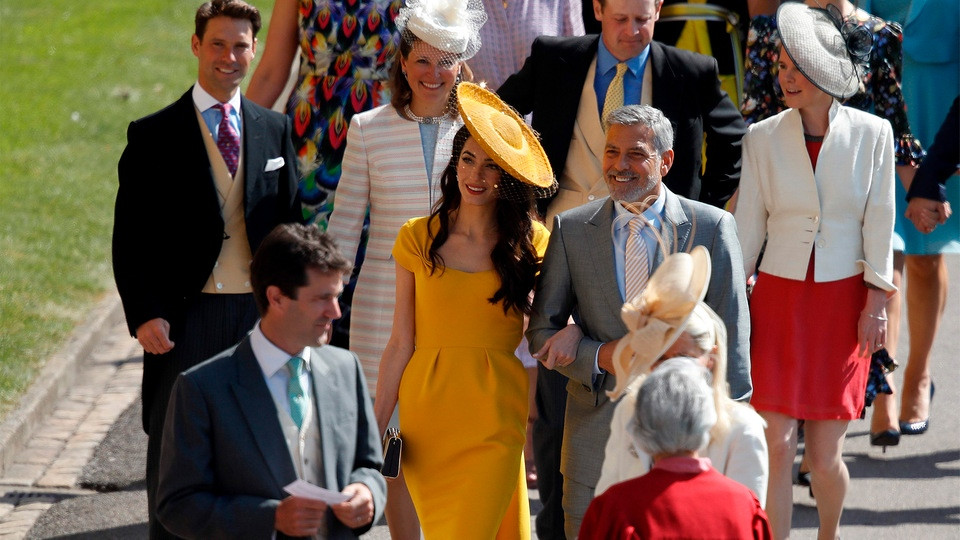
<point>463,401</point>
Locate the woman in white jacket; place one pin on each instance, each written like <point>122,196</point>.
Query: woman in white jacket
<point>737,447</point>
<point>817,182</point>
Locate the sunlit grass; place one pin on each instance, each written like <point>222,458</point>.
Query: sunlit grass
<point>72,76</point>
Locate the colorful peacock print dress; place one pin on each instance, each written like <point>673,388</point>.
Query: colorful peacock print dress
<point>346,49</point>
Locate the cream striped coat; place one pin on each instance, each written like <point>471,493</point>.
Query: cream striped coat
<point>383,167</point>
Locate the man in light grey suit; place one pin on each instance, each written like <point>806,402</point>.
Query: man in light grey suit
<point>277,407</point>
<point>583,275</point>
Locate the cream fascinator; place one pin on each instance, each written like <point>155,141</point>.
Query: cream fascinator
<point>657,316</point>
<point>452,26</point>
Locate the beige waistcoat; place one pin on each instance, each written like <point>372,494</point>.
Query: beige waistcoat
<point>231,272</point>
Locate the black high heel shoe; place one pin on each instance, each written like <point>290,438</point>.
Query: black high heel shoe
<point>803,478</point>
<point>920,427</point>
<point>890,437</point>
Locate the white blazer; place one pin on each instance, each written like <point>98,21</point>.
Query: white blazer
<point>741,455</point>
<point>843,211</point>
<point>383,169</point>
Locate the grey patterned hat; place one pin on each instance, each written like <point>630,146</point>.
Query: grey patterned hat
<point>812,39</point>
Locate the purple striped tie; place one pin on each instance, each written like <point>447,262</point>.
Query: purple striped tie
<point>228,141</point>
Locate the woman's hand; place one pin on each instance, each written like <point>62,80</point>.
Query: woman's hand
<point>560,350</point>
<point>872,327</point>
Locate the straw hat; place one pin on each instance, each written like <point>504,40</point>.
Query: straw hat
<point>505,137</point>
<point>452,26</point>
<point>813,40</point>
<point>657,316</point>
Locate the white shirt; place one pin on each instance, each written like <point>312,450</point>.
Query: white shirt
<point>273,362</point>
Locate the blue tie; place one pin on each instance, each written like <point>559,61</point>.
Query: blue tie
<point>295,395</point>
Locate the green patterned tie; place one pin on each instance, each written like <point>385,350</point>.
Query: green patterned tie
<point>295,395</point>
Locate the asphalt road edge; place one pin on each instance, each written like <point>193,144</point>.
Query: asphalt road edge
<point>55,377</point>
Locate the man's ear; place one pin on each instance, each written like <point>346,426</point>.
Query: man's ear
<point>276,300</point>
<point>597,10</point>
<point>195,45</point>
<point>666,161</point>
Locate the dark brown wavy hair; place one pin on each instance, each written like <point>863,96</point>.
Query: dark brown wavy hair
<point>514,256</point>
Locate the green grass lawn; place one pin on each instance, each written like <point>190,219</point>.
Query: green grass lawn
<point>72,76</point>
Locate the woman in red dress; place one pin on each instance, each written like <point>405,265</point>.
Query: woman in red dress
<point>817,182</point>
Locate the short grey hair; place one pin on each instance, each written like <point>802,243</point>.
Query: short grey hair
<point>645,115</point>
<point>675,409</point>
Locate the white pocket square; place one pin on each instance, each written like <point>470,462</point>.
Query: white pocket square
<point>273,164</point>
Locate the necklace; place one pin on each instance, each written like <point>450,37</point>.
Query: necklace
<point>423,119</point>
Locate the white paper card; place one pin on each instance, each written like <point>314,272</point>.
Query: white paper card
<point>301,488</point>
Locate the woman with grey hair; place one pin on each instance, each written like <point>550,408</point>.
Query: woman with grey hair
<point>677,498</point>
<point>736,445</point>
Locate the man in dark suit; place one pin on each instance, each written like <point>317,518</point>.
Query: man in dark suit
<point>564,83</point>
<point>202,182</point>
<point>588,271</point>
<point>278,407</point>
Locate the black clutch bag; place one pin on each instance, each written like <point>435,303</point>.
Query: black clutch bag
<point>392,448</point>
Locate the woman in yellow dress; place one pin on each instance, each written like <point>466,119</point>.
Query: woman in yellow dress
<point>464,277</point>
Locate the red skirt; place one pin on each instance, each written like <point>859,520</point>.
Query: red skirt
<point>803,347</point>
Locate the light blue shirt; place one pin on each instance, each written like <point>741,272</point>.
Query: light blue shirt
<point>632,78</point>
<point>205,102</point>
<point>273,363</point>
<point>620,232</point>
<point>428,140</point>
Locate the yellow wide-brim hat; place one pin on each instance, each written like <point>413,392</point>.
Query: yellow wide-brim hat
<point>504,136</point>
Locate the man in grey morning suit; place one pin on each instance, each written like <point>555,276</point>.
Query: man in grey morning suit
<point>276,408</point>
<point>583,276</point>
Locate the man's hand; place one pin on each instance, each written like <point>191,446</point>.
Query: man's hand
<point>560,349</point>
<point>605,355</point>
<point>154,336</point>
<point>297,516</point>
<point>358,510</point>
<point>926,214</point>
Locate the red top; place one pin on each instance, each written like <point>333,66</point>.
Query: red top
<point>813,149</point>
<point>678,498</point>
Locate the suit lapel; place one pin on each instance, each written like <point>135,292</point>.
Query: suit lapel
<point>193,152</point>
<point>260,413</point>
<point>675,229</point>
<point>254,160</point>
<point>599,235</point>
<point>322,393</point>
<point>666,84</point>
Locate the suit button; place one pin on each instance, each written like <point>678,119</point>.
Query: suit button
<point>591,197</point>
<point>246,283</point>
<point>816,219</point>
<point>216,264</point>
<point>821,243</point>
<point>219,286</point>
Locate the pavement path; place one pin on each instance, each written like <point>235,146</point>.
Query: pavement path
<point>80,474</point>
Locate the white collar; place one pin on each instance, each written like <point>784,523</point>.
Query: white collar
<point>270,357</point>
<point>204,100</point>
